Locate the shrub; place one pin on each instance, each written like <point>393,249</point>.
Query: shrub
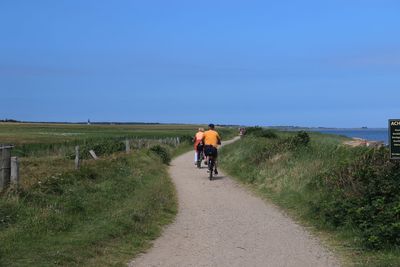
<point>262,149</point>
<point>186,139</point>
<point>102,147</point>
<point>279,145</point>
<point>300,139</point>
<point>261,132</point>
<point>253,130</point>
<point>162,152</point>
<point>365,194</point>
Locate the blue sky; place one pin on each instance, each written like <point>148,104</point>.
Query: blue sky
<point>309,63</point>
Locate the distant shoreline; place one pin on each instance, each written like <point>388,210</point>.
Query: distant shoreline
<point>324,128</point>
<point>369,135</point>
<point>282,128</point>
<point>109,123</point>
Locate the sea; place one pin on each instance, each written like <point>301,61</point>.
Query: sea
<point>371,134</point>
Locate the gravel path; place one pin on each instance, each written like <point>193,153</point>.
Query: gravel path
<point>220,223</point>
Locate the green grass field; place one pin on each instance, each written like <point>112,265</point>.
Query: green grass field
<point>38,144</point>
<point>101,215</point>
<point>22,133</point>
<point>350,196</point>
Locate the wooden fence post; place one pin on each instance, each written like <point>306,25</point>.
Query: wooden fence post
<point>14,177</point>
<point>77,160</point>
<point>93,154</point>
<point>5,166</point>
<point>127,146</point>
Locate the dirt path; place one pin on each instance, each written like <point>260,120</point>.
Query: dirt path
<point>222,224</point>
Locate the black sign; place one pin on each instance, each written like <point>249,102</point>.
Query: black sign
<point>394,139</point>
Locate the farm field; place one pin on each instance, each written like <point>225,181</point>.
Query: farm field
<point>22,133</point>
<point>48,149</point>
<point>38,144</point>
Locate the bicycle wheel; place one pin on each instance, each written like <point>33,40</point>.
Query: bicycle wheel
<point>210,168</point>
<point>199,159</point>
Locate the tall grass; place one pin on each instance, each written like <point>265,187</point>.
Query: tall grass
<point>101,145</point>
<point>350,192</point>
<point>37,164</point>
<point>101,215</point>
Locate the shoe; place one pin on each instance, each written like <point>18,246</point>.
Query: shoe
<point>216,172</point>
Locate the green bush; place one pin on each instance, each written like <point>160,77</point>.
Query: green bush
<point>162,152</point>
<point>263,149</point>
<point>300,139</point>
<point>367,196</point>
<point>261,132</point>
<point>101,147</point>
<point>253,130</point>
<point>186,139</point>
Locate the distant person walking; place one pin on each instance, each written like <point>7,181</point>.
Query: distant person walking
<point>198,140</point>
<point>242,132</point>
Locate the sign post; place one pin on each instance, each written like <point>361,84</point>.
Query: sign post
<point>394,139</point>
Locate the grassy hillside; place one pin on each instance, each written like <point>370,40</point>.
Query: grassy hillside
<point>350,194</point>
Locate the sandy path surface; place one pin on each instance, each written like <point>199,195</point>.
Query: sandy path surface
<point>220,223</point>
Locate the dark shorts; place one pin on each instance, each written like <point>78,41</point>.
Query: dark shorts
<point>200,147</point>
<point>211,151</point>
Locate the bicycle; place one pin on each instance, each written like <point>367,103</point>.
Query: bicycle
<point>211,164</point>
<point>200,155</point>
<point>211,153</point>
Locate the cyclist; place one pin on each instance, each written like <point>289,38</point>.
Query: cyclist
<point>211,141</point>
<point>198,140</point>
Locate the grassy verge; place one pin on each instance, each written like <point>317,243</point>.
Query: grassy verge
<point>101,215</point>
<point>348,195</point>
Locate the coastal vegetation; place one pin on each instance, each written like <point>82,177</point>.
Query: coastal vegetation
<point>351,194</point>
<point>47,149</point>
<point>102,214</point>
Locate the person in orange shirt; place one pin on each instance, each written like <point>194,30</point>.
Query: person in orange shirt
<point>211,141</point>
<point>198,140</point>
